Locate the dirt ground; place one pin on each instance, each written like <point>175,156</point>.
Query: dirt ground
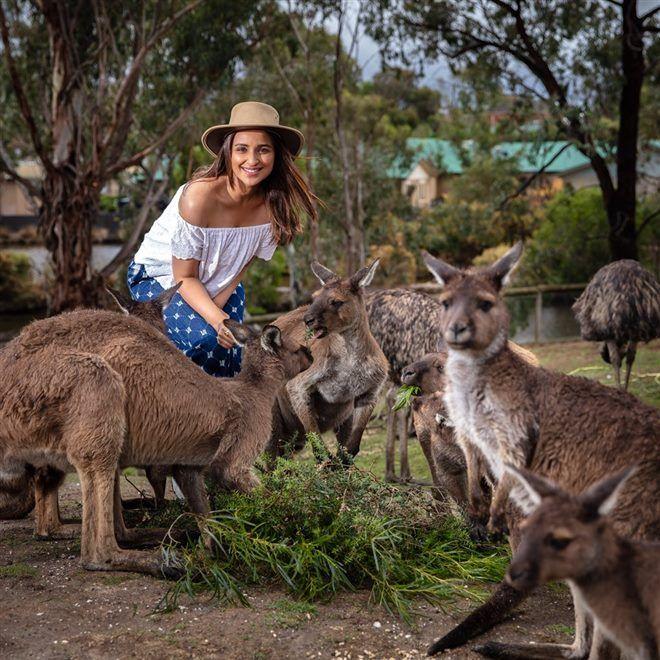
<point>51,608</point>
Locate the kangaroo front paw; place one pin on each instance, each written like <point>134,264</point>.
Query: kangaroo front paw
<point>497,522</point>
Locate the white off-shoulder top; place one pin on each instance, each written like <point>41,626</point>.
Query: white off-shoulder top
<point>222,252</point>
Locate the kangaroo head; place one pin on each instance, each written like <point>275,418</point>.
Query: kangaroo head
<point>427,373</point>
<point>270,343</point>
<point>339,304</point>
<point>475,314</point>
<point>566,536</point>
<point>151,312</point>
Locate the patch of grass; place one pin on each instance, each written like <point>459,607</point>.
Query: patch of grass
<point>561,629</point>
<point>114,580</point>
<point>318,529</point>
<point>291,613</point>
<point>19,570</point>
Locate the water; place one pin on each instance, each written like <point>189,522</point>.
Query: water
<point>40,259</point>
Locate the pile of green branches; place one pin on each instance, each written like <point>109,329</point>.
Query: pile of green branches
<point>317,528</point>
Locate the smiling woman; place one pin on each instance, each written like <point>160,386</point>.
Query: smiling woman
<point>251,199</point>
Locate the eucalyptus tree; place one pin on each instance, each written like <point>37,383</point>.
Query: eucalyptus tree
<point>91,88</point>
<point>587,61</point>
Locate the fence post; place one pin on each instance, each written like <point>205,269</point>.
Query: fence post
<point>537,316</point>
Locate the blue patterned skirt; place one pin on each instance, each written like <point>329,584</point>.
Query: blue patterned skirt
<point>189,331</point>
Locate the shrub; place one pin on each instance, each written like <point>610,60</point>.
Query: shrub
<point>261,281</point>
<point>317,529</point>
<point>17,290</point>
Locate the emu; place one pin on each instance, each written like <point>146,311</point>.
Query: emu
<point>620,307</point>
<point>405,325</point>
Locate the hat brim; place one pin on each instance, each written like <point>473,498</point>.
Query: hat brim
<point>214,136</point>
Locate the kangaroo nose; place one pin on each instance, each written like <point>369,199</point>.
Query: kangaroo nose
<point>517,573</point>
<point>308,318</point>
<point>407,375</point>
<point>458,329</point>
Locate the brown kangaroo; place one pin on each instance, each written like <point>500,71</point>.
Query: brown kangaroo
<point>22,486</point>
<point>570,537</point>
<point>136,401</point>
<point>570,429</point>
<point>341,388</point>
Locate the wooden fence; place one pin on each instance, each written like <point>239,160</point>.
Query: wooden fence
<point>433,289</point>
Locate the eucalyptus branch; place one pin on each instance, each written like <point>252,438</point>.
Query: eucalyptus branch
<point>23,103</point>
<point>7,168</point>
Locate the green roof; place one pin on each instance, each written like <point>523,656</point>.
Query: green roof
<point>530,156</point>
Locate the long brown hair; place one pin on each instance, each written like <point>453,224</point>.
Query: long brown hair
<point>287,194</point>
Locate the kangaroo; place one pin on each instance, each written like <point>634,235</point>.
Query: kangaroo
<point>570,537</point>
<point>22,486</point>
<point>446,459</point>
<point>341,388</point>
<point>570,429</point>
<point>136,401</point>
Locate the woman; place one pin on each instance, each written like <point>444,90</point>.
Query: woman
<point>251,199</point>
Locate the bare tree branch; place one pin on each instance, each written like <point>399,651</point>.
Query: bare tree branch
<point>6,167</point>
<point>649,13</point>
<point>152,196</point>
<point>167,133</point>
<point>646,221</point>
<point>528,182</point>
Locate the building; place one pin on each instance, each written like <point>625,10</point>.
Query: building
<point>427,179</point>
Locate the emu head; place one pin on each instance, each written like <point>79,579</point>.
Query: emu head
<point>427,373</point>
<point>339,304</point>
<point>566,536</point>
<point>271,345</point>
<point>475,315</point>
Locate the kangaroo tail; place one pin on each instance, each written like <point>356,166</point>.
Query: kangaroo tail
<point>485,617</point>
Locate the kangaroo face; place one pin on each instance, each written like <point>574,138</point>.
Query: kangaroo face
<point>474,310</point>
<point>559,542</point>
<point>427,373</point>
<point>339,304</point>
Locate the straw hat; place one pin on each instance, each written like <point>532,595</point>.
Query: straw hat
<point>253,115</point>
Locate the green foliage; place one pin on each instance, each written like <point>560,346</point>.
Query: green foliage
<point>403,396</point>
<point>570,244</point>
<point>318,529</point>
<point>17,290</point>
<point>261,281</point>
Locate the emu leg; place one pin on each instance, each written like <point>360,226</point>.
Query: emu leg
<point>404,465</point>
<point>390,474</point>
<point>615,360</point>
<point>631,352</point>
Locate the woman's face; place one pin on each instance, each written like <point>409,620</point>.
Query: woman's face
<point>252,157</point>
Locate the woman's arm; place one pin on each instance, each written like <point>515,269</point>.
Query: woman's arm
<point>195,294</point>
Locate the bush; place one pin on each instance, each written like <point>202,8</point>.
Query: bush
<point>17,290</point>
<point>317,529</point>
<point>261,281</point>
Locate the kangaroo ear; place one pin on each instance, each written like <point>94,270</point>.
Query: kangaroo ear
<point>537,487</point>
<point>241,332</point>
<point>165,298</point>
<point>271,338</point>
<point>124,303</point>
<point>323,274</point>
<point>601,498</point>
<point>441,270</point>
<point>500,272</point>
<point>364,276</point>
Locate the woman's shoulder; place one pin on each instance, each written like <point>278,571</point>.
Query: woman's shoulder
<point>199,199</point>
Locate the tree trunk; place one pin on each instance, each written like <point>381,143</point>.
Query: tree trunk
<point>621,207</point>
<point>66,223</point>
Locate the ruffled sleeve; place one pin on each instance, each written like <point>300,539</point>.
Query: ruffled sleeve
<point>267,245</point>
<point>187,241</point>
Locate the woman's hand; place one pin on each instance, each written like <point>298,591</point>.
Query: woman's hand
<point>225,338</point>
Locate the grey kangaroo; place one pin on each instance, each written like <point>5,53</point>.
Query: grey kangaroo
<point>572,430</point>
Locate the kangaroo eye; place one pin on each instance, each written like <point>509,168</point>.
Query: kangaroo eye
<point>337,303</point>
<point>446,303</point>
<point>485,305</point>
<point>558,543</point>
